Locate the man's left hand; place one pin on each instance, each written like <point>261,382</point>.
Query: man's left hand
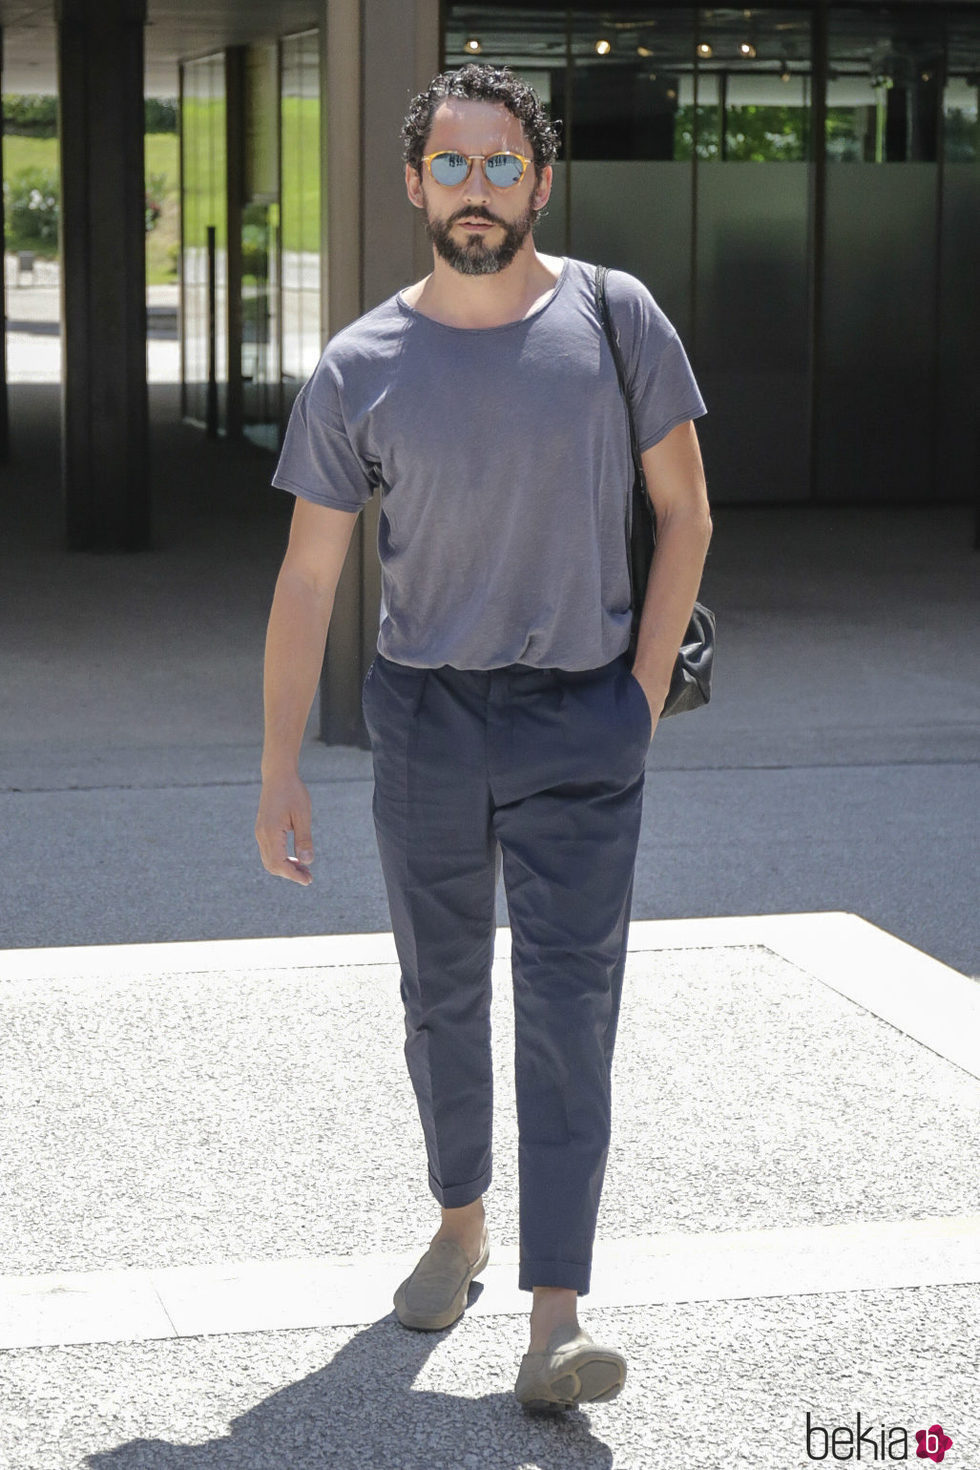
<point>655,699</point>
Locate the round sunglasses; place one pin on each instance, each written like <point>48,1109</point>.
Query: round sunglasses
<point>503,170</point>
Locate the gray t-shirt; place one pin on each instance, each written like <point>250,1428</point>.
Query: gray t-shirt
<point>503,460</point>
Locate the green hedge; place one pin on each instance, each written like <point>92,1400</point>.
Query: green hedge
<point>35,116</point>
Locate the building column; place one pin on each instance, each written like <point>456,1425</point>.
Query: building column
<point>375,244</point>
<point>103,271</point>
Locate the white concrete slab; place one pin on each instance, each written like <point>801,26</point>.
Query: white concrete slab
<point>262,1296</point>
<point>80,1306</point>
<point>921,997</point>
<point>929,1001</point>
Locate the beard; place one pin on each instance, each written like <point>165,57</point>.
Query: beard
<point>476,257</point>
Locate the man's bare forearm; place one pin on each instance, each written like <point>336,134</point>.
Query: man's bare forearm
<point>302,606</point>
<point>295,640</point>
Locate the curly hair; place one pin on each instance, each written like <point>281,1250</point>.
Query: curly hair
<point>479,83</point>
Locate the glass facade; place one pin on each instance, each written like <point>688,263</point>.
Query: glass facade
<point>260,355</point>
<point>204,189</point>
<point>878,339</point>
<point>959,300</point>
<point>899,300</point>
<point>278,324</point>
<point>884,84</point>
<point>302,340</point>
<point>826,310</point>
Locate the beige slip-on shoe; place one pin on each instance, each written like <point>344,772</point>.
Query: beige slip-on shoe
<point>435,1293</point>
<point>572,1370</point>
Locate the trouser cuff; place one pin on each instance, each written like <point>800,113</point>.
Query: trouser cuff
<point>454,1196</point>
<point>570,1274</point>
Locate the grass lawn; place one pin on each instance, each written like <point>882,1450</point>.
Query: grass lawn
<point>162,158</point>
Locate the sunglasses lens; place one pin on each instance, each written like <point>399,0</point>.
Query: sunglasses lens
<point>449,168</point>
<point>504,169</point>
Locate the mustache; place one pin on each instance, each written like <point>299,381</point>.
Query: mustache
<point>474,214</point>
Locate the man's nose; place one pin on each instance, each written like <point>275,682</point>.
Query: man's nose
<point>476,186</point>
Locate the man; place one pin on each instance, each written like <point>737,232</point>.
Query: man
<point>506,725</point>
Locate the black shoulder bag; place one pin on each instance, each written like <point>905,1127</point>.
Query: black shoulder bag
<point>690,685</point>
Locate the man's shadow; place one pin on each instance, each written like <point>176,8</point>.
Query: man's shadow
<point>360,1410</point>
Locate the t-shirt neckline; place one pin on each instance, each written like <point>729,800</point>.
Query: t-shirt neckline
<point>503,326</point>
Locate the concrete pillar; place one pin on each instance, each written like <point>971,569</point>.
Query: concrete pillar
<point>341,129</point>
<point>103,271</point>
<point>375,244</point>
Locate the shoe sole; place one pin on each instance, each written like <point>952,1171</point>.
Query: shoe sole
<point>451,1314</point>
<point>583,1378</point>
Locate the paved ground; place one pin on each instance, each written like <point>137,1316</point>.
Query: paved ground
<point>196,1258</point>
<point>200,1261</point>
<point>33,345</point>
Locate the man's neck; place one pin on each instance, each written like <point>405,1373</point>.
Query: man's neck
<point>484,301</point>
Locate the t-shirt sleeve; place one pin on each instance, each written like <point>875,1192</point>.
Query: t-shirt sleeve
<point>663,388</point>
<point>318,461</point>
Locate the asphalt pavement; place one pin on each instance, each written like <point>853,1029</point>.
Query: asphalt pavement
<point>835,768</point>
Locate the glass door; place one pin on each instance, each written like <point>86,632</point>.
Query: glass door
<point>260,346</point>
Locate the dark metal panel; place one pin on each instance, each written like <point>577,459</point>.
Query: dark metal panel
<point>637,218</point>
<point>752,331</point>
<point>878,333</point>
<point>551,231</point>
<point>958,412</point>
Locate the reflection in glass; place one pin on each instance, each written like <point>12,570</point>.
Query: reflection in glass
<point>203,193</point>
<point>260,250</point>
<point>883,86</point>
<point>628,102</point>
<point>631,84</point>
<point>300,131</point>
<point>260,322</point>
<point>959,308</point>
<point>753,91</point>
<point>961,128</point>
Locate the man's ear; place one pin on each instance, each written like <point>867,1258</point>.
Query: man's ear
<point>413,185</point>
<point>542,187</point>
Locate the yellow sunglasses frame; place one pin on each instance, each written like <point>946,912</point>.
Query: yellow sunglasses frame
<point>471,159</point>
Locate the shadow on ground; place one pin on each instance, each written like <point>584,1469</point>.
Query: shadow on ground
<point>361,1409</point>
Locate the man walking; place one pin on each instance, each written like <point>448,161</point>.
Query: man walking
<point>508,730</point>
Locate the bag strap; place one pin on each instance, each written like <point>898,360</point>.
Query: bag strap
<point>612,336</point>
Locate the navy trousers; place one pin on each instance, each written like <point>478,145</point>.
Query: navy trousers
<point>539,771</point>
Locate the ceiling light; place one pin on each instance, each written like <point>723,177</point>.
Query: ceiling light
<point>603,47</point>
<point>473,46</point>
<point>704,49</point>
<point>746,48</point>
<point>643,51</point>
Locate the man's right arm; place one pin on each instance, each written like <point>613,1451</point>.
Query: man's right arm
<point>298,623</point>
